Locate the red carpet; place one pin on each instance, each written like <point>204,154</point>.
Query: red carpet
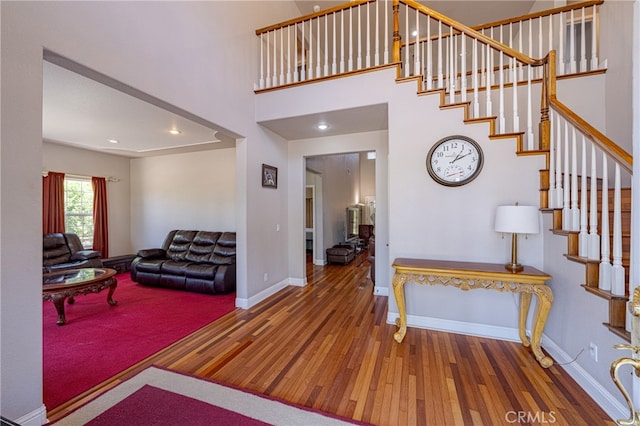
<point>100,341</point>
<point>154,406</point>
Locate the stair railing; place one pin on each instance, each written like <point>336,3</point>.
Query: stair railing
<point>577,149</point>
<point>572,31</point>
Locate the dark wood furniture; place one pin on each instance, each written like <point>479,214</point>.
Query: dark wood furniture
<point>61,285</point>
<point>119,263</point>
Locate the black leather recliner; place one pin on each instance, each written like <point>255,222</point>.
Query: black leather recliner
<point>200,261</point>
<point>62,251</point>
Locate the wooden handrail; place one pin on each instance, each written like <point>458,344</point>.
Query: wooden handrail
<point>525,59</point>
<point>338,8</point>
<point>604,143</point>
<point>539,14</point>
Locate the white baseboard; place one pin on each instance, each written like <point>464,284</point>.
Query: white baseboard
<point>37,417</point>
<point>381,291</point>
<point>451,326</point>
<point>244,303</point>
<point>614,408</point>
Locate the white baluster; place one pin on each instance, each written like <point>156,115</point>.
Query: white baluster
<point>540,55</point>
<point>350,60</point>
<point>520,74</point>
<point>593,251</point>
<point>550,34</point>
<point>342,38</point>
<point>489,91</point>
<point>318,64</point>
<point>566,208</point>
<point>594,53</point>
<point>440,76</point>
<point>303,73</point>
<point>289,54</point>
<point>407,46</point>
<point>583,44</point>
<point>617,270</point>
<point>261,81</point>
<point>417,70</point>
<point>359,60</point>
<point>575,210</point>
<point>476,101</point>
<point>501,118</point>
<point>334,57</point>
<point>386,31</point>
<point>561,65</point>
<point>551,194</point>
<point>583,236</point>
<point>429,56</point>
<point>604,278</point>
<point>310,54</point>
<point>452,75</point>
<point>296,76</point>
<point>463,68</point>
<point>559,191</point>
<point>282,57</point>
<point>572,44</point>
<point>275,60</point>
<point>516,117</point>
<point>483,62</point>
<point>530,144</point>
<point>367,35</point>
<point>376,57</point>
<point>326,45</point>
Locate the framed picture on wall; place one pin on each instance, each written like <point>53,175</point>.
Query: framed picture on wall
<point>269,176</point>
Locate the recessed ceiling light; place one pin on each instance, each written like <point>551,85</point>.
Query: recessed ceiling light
<point>113,141</point>
<point>322,126</point>
<point>175,131</point>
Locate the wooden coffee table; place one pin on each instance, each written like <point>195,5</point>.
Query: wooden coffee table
<point>61,285</point>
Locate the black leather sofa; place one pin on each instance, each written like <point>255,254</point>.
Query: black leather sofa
<point>62,251</point>
<point>199,261</point>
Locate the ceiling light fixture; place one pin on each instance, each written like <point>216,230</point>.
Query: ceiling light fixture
<point>175,131</point>
<point>113,141</point>
<point>322,126</point>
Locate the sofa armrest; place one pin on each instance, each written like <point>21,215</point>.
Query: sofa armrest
<point>85,254</point>
<point>155,253</point>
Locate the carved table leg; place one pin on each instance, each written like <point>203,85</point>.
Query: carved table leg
<point>525,303</point>
<point>398,291</point>
<point>543,306</point>
<point>58,302</point>
<point>112,289</point>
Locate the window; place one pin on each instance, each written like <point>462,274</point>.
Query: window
<point>579,55</point>
<point>78,204</point>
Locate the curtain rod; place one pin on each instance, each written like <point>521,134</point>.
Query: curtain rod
<point>45,173</point>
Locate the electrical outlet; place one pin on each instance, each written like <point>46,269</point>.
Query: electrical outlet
<point>593,351</point>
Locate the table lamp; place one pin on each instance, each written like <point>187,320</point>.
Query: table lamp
<point>516,220</point>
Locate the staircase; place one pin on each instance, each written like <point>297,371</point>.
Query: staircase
<point>484,71</point>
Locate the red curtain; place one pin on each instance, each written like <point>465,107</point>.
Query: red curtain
<point>100,224</point>
<point>53,203</point>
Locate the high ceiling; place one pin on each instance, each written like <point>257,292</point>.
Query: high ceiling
<point>86,109</point>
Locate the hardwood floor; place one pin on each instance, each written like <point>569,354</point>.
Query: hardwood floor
<point>327,346</point>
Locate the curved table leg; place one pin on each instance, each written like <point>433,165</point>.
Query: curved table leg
<point>58,302</point>
<point>398,291</point>
<point>543,306</point>
<point>112,289</point>
<point>525,303</point>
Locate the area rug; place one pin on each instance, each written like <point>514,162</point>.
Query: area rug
<point>159,397</point>
<point>100,341</point>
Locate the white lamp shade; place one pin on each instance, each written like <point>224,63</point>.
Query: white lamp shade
<point>517,219</point>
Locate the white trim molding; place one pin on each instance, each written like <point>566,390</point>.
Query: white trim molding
<point>244,303</point>
<point>37,417</point>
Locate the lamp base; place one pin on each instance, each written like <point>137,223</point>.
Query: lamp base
<point>513,267</point>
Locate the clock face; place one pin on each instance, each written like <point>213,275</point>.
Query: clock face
<point>454,160</point>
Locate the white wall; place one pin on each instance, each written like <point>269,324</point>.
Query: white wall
<point>66,159</point>
<point>183,191</point>
<point>199,56</point>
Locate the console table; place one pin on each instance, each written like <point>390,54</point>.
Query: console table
<point>473,275</point>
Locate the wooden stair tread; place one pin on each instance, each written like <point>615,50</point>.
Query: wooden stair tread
<point>621,332</point>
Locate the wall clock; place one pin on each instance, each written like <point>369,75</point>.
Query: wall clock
<point>454,160</point>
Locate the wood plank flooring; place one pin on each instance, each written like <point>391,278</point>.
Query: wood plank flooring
<point>327,346</point>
